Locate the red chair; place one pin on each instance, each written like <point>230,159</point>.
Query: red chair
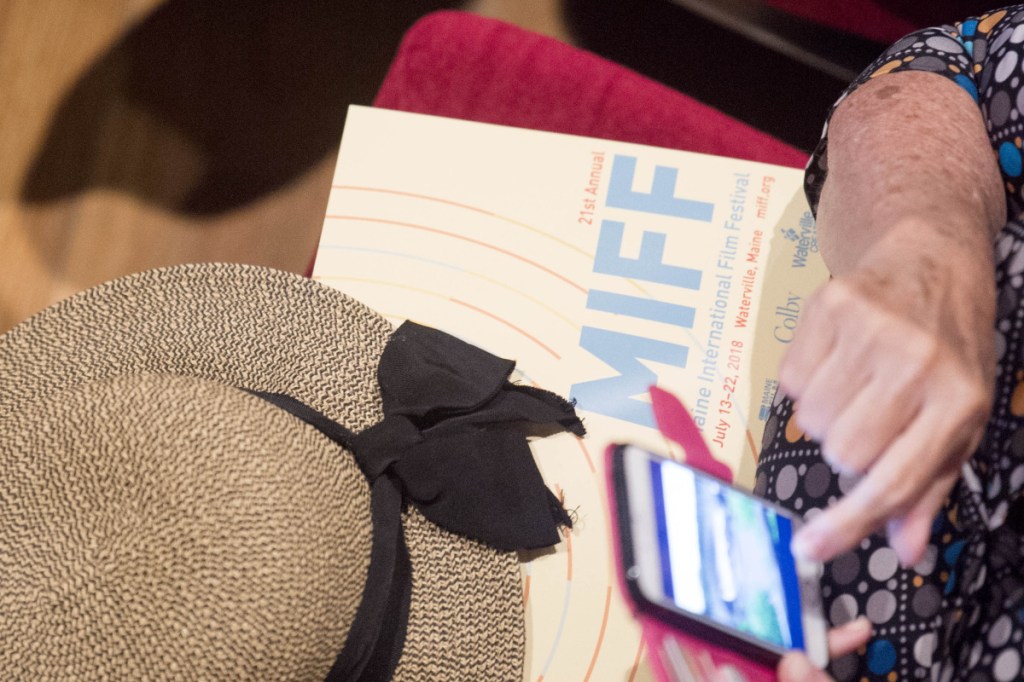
<point>464,66</point>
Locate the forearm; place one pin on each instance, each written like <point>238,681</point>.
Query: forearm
<point>910,164</point>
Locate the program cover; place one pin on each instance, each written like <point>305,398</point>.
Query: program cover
<point>602,268</point>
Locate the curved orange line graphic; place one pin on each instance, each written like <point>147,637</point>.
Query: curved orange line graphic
<point>510,325</point>
<point>463,238</point>
<point>476,209</point>
<point>567,534</point>
<point>636,661</point>
<point>600,634</point>
<point>586,454</point>
<point>495,282</point>
<point>753,447</point>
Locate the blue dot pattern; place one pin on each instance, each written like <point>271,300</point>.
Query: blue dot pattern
<point>1009,159</point>
<point>959,613</point>
<point>967,84</point>
<point>881,657</point>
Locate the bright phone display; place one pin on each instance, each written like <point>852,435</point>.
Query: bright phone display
<point>715,561</point>
<point>710,536</point>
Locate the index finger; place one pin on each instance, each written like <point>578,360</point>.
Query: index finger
<point>898,478</point>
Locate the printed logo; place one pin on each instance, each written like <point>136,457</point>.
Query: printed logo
<point>804,237</point>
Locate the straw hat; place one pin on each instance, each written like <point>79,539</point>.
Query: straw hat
<point>200,478</point>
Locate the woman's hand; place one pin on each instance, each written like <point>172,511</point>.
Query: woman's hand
<point>796,667</point>
<point>892,364</point>
<point>892,372</point>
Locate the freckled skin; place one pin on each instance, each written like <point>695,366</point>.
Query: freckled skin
<point>893,361</point>
<point>886,92</point>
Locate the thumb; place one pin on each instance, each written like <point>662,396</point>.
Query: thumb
<point>796,667</point>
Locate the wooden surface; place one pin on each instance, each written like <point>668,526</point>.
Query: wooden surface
<point>540,16</point>
<point>140,133</point>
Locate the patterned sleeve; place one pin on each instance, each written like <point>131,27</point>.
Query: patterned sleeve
<point>984,56</point>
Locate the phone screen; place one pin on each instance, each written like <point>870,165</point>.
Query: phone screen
<point>725,556</point>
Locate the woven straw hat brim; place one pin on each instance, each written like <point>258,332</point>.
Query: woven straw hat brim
<point>159,523</point>
<point>260,329</point>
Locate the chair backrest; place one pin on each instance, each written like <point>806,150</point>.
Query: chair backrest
<point>464,66</point>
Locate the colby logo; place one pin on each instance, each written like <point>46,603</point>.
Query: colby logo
<point>806,239</point>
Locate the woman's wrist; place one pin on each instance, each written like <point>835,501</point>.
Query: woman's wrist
<point>942,284</point>
<point>933,234</point>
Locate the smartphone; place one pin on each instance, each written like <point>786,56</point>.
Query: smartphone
<point>714,561</point>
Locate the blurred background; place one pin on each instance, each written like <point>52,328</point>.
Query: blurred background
<point>142,133</point>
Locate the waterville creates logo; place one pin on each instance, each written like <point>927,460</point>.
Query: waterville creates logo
<point>806,239</point>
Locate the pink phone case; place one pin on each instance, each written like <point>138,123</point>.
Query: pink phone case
<point>673,655</point>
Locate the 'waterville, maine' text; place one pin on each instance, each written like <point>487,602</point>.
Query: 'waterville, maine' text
<point>733,277</point>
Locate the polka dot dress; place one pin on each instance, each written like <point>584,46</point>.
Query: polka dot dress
<point>959,613</point>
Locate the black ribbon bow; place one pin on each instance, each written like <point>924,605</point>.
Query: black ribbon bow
<point>453,444</point>
<point>453,437</point>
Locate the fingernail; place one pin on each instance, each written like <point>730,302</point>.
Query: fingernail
<point>862,624</point>
<point>796,667</point>
<point>908,561</point>
<point>804,545</point>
